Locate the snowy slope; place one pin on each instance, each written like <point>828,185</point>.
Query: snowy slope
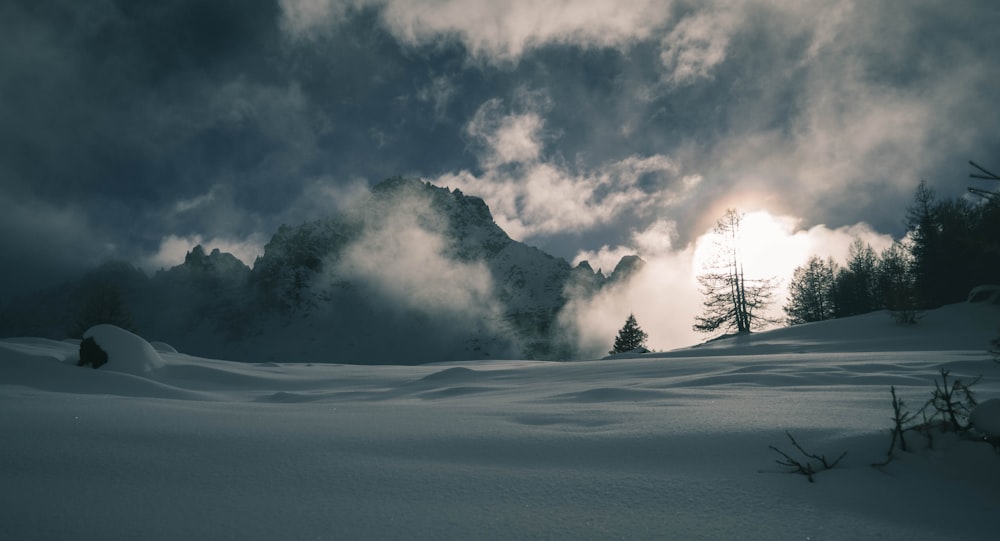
<point>665,446</point>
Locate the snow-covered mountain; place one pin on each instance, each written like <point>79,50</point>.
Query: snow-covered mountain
<point>411,264</point>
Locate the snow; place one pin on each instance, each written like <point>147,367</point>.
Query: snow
<point>127,352</point>
<point>986,418</point>
<point>674,445</point>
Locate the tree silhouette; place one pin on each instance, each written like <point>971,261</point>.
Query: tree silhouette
<point>732,301</point>
<point>811,292</point>
<point>629,337</point>
<point>103,304</point>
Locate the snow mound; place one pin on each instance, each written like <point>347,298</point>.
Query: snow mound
<point>127,352</point>
<point>987,293</point>
<point>986,418</point>
<point>163,347</point>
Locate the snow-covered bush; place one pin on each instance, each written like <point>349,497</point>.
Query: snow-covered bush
<point>124,351</point>
<point>985,418</point>
<point>91,354</point>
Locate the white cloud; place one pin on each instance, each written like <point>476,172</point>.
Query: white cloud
<point>696,44</point>
<point>185,205</point>
<point>663,296</point>
<point>494,32</point>
<point>531,194</point>
<point>504,31</point>
<point>505,139</point>
<point>405,261</point>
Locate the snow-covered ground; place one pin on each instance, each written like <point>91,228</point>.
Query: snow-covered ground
<point>161,445</point>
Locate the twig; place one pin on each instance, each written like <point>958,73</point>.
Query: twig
<point>807,468</point>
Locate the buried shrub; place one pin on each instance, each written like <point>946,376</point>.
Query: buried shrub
<point>985,418</point>
<point>953,402</point>
<point>952,407</point>
<point>948,410</point>
<point>805,468</point>
<point>91,354</point>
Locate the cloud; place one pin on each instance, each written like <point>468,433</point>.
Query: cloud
<point>532,193</point>
<point>402,256</point>
<point>835,113</point>
<point>696,44</point>
<point>504,31</point>
<point>43,244</point>
<point>507,139</point>
<point>405,261</point>
<point>401,276</point>
<point>662,295</point>
<point>301,18</point>
<point>495,32</point>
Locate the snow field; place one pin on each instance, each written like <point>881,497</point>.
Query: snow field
<point>663,446</point>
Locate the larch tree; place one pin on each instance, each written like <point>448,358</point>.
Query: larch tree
<point>630,337</point>
<point>732,301</point>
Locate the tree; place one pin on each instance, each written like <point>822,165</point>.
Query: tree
<point>930,266</point>
<point>810,293</point>
<point>629,337</point>
<point>895,280</point>
<point>732,302</point>
<point>103,304</point>
<point>856,290</point>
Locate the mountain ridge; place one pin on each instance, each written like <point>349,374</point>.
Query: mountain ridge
<point>409,263</point>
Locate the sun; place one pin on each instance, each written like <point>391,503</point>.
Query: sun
<point>768,246</point>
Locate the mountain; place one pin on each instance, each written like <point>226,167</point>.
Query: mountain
<point>412,273</point>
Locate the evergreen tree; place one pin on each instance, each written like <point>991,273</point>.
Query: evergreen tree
<point>731,300</point>
<point>895,280</point>
<point>629,337</point>
<point>810,293</point>
<point>929,268</point>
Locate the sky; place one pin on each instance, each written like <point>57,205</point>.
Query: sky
<point>134,130</point>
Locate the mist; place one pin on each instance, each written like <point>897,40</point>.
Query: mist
<point>664,294</point>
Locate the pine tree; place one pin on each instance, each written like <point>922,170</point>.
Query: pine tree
<point>629,337</point>
<point>810,293</point>
<point>895,279</point>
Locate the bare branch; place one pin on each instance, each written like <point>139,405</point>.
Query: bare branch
<point>986,175</point>
<point>806,468</point>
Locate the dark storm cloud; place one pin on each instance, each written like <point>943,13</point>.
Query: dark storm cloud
<point>129,127</point>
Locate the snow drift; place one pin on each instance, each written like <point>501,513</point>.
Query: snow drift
<point>662,446</point>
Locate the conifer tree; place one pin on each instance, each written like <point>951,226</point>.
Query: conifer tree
<point>811,292</point>
<point>629,337</point>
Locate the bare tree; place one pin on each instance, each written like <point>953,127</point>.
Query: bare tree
<point>732,302</point>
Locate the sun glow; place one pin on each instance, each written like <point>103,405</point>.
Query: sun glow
<point>768,246</point>
<point>771,247</point>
